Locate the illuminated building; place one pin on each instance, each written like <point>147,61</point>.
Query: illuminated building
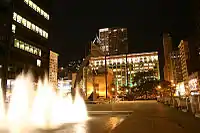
<point>176,66</point>
<point>167,44</point>
<point>24,35</point>
<point>113,41</point>
<point>180,89</point>
<point>53,69</point>
<point>184,55</point>
<point>193,83</point>
<point>126,65</point>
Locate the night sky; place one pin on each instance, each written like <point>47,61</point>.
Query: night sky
<point>76,23</point>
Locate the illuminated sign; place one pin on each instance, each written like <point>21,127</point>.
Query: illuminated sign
<point>193,84</point>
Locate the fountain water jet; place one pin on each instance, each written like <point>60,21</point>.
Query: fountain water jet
<point>43,108</point>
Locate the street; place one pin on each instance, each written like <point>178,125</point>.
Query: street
<point>150,117</point>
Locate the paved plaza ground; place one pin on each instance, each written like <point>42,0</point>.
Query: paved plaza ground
<point>146,117</point>
<point>150,117</point>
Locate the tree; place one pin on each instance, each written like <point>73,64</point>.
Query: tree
<point>167,89</point>
<point>145,83</point>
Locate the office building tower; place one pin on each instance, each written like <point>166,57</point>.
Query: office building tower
<point>176,66</point>
<point>184,55</point>
<point>24,35</point>
<point>124,66</point>
<point>113,41</point>
<point>167,44</point>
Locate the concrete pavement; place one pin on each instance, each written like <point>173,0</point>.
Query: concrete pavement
<point>151,117</point>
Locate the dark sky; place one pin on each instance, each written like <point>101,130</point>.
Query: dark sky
<point>75,23</point>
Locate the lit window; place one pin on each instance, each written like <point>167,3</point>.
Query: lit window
<point>35,51</point>
<point>46,35</point>
<point>26,47</point>
<point>33,27</point>
<point>43,33</point>
<point>34,7</point>
<point>14,16</point>
<point>24,22</point>
<point>28,24</point>
<point>31,49</point>
<point>16,43</point>
<point>45,14</point>
<point>38,63</point>
<point>30,3</point>
<point>40,31</point>
<point>40,52</point>
<point>38,9</point>
<point>26,1</point>
<point>13,28</point>
<point>36,29</point>
<point>42,12</point>
<point>19,19</point>
<point>21,45</point>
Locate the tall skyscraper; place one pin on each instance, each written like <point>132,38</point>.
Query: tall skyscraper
<point>176,66</point>
<point>167,44</point>
<point>24,36</point>
<point>184,55</point>
<point>113,41</point>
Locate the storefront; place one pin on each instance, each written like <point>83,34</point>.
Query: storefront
<point>193,84</point>
<point>180,89</point>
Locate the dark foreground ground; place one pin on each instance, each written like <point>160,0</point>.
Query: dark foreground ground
<point>147,117</point>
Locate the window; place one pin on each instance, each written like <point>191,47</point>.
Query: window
<point>40,52</point>
<point>24,22</point>
<point>33,27</point>
<point>40,31</point>
<point>31,49</point>
<point>34,7</point>
<point>26,47</point>
<point>36,29</point>
<point>16,43</point>
<point>28,24</point>
<point>37,9</point>
<point>21,45</point>
<point>30,3</point>
<point>13,28</point>
<point>38,63</point>
<point>19,19</point>
<point>42,12</point>
<point>35,51</point>
<point>14,16</point>
<point>46,35</point>
<point>26,1</point>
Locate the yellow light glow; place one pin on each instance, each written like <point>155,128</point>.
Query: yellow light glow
<point>29,110</point>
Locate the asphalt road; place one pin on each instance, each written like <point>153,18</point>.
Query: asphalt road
<point>150,117</point>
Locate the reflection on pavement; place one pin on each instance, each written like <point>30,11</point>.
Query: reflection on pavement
<point>102,124</point>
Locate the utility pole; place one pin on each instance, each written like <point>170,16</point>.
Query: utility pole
<point>106,79</point>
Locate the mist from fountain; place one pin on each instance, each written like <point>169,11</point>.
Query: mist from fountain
<point>44,108</point>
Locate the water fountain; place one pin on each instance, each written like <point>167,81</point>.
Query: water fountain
<point>41,109</point>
